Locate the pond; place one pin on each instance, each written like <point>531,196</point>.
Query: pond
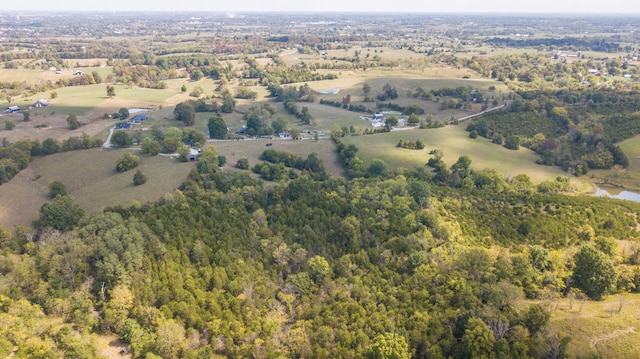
<point>136,110</point>
<point>618,193</point>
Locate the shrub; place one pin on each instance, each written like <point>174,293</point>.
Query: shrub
<point>243,164</point>
<point>57,188</point>
<point>127,162</point>
<point>139,178</point>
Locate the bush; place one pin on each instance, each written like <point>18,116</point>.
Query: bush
<point>473,134</point>
<point>9,125</point>
<point>127,162</point>
<point>243,164</point>
<point>57,188</point>
<point>139,178</point>
<point>222,160</point>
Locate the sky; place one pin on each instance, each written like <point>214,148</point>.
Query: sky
<point>419,6</point>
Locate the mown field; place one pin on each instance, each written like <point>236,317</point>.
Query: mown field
<point>629,177</point>
<point>92,180</point>
<point>454,142</point>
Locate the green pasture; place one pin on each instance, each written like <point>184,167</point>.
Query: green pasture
<point>252,149</point>
<point>454,142</point>
<point>629,177</point>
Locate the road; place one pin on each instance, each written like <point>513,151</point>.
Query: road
<point>479,113</point>
<point>107,143</point>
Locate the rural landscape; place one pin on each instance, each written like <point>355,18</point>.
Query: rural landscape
<point>319,185</point>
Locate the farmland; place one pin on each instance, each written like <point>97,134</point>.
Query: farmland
<point>411,182</point>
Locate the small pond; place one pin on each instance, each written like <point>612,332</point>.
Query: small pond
<point>136,110</point>
<point>614,192</point>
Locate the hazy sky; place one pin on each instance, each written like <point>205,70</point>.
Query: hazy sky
<point>424,6</point>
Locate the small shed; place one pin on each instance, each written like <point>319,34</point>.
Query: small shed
<point>193,154</point>
<point>12,109</point>
<point>41,103</point>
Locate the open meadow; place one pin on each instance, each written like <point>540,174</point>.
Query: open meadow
<point>91,178</point>
<point>629,177</point>
<point>610,328</point>
<point>454,142</point>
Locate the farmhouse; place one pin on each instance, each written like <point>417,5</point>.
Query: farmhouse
<point>193,154</point>
<point>12,109</point>
<point>137,119</point>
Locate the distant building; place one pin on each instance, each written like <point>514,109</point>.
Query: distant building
<point>41,103</point>
<point>12,109</point>
<point>137,119</point>
<point>123,126</point>
<point>193,154</point>
<point>78,72</point>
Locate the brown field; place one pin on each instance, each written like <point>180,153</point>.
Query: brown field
<point>92,180</point>
<point>610,328</point>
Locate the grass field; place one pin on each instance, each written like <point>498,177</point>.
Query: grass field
<point>252,149</point>
<point>598,327</point>
<point>454,142</point>
<point>629,177</point>
<point>90,178</point>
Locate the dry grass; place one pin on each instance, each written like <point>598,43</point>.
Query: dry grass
<point>90,178</point>
<point>610,328</point>
<point>252,149</point>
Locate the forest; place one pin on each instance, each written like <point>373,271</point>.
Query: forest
<point>320,267</point>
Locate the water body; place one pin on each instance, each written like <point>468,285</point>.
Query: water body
<point>617,193</point>
<point>136,110</point>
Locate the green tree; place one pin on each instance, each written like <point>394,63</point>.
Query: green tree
<point>72,122</point>
<point>150,146</point>
<point>378,168</point>
<point>478,340</point>
<point>389,346</point>
<point>61,214</point>
<point>536,319</point>
<point>183,88</point>
<point>208,161</point>
<point>139,178</point>
<point>593,272</point>
<point>57,188</point>
<point>121,139</point>
<point>319,269</point>
<point>217,127</point>
<point>185,112</point>
<point>391,121</point>
<point>123,113</point>
<point>127,162</point>
<point>294,133</point>
<point>50,146</point>
<point>243,164</point>
<point>512,142</point>
<point>111,91</point>
<point>279,125</point>
<point>228,105</point>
